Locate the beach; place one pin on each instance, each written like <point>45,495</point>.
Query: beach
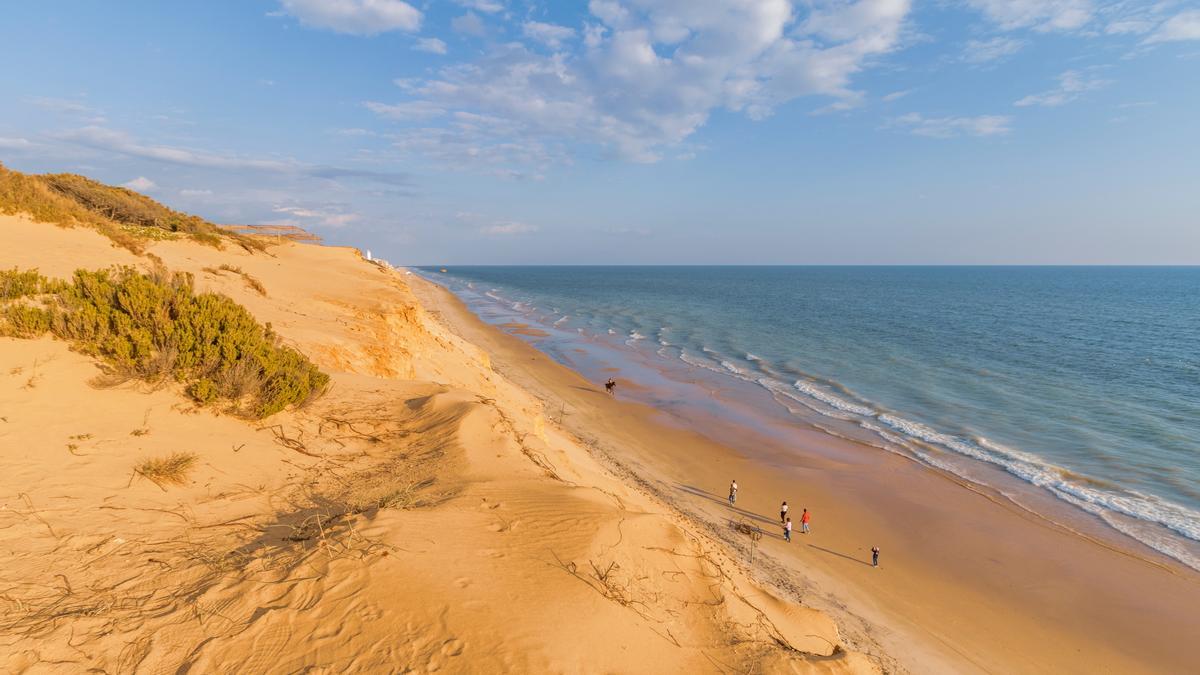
<point>458,501</point>
<point>968,582</point>
<point>425,513</point>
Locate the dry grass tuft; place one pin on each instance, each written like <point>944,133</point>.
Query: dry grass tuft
<point>170,470</point>
<point>251,281</point>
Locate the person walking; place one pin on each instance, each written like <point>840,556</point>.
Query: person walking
<point>804,519</point>
<point>611,387</point>
<point>733,492</point>
<point>787,530</point>
<point>783,512</point>
<point>874,556</point>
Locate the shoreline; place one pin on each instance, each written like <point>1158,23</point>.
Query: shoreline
<point>964,595</point>
<point>693,382</point>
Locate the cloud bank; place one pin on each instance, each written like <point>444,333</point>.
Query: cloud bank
<point>647,75</point>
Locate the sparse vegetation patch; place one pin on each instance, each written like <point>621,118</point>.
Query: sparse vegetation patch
<point>251,281</point>
<point>125,216</point>
<point>170,470</point>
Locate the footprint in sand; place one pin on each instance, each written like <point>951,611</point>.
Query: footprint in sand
<point>370,612</point>
<point>450,648</point>
<point>462,582</point>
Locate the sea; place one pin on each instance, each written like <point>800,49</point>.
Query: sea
<point>1080,383</point>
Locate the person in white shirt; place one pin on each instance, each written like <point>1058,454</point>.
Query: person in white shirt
<point>783,512</point>
<point>787,530</point>
<point>733,492</point>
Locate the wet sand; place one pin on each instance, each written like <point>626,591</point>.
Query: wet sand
<point>968,582</point>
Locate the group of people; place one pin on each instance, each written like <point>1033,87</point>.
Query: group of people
<point>786,521</point>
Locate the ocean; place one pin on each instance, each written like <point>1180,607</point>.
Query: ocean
<point>1082,383</point>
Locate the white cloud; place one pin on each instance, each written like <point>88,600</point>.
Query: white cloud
<point>485,6</point>
<point>410,110</point>
<point>896,95</point>
<point>355,17</point>
<point>116,141</point>
<point>1071,85</point>
<point>140,184</point>
<point>951,127</point>
<point>100,138</point>
<point>1182,26</point>
<point>648,75</point>
<point>331,216</point>
<point>549,34</point>
<point>14,143</point>
<point>987,51</point>
<point>1129,26</point>
<point>469,24</point>
<point>508,229</point>
<point>195,193</point>
<point>67,107</point>
<point>1040,15</point>
<point>431,45</point>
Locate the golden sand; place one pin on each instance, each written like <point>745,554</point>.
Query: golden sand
<point>423,515</point>
<point>459,502</point>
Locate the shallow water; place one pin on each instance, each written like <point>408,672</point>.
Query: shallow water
<point>1082,381</point>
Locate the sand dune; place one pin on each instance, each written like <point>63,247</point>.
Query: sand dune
<point>423,515</point>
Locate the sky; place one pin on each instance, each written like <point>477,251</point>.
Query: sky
<point>635,131</point>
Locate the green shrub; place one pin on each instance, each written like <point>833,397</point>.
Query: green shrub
<point>204,391</point>
<point>17,284</point>
<point>153,326</point>
<point>24,321</point>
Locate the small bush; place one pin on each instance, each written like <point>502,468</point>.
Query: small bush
<point>170,470</point>
<point>17,284</point>
<point>24,321</point>
<point>204,391</point>
<point>152,326</point>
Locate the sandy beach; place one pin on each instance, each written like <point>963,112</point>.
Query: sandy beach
<point>810,337</point>
<point>458,501</point>
<point>968,582</point>
<point>425,514</point>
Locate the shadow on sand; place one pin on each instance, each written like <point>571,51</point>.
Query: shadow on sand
<point>719,500</point>
<point>840,555</point>
<point>775,525</point>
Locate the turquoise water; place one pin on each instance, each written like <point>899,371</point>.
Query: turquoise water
<point>1081,381</point>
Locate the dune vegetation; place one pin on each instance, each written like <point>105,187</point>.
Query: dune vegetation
<point>170,470</point>
<point>153,327</point>
<point>128,218</point>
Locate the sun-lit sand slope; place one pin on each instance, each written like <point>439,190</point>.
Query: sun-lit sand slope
<point>423,515</point>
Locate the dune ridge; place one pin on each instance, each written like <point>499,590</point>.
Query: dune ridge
<point>424,514</point>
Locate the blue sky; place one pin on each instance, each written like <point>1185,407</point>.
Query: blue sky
<point>635,131</point>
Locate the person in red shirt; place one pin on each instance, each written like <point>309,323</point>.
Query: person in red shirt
<point>804,518</point>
